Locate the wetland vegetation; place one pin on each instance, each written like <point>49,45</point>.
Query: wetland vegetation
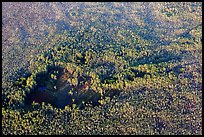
<point>110,68</point>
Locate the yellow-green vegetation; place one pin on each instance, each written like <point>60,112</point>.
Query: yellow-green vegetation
<point>102,68</point>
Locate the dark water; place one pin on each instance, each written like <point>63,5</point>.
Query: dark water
<point>63,98</point>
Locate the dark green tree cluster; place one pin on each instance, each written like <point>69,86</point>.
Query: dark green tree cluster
<point>107,68</point>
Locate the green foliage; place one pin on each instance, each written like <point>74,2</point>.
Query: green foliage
<point>102,69</point>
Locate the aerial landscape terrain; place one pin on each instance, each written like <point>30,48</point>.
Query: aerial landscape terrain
<point>101,68</point>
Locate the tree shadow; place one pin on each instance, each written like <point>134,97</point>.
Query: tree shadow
<point>161,56</point>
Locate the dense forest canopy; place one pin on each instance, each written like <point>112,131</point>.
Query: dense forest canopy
<point>102,68</point>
